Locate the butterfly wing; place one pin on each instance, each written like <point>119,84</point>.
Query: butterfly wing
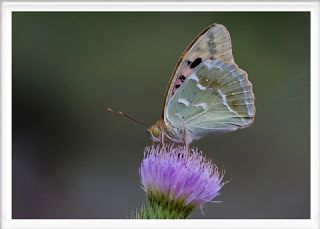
<point>213,42</point>
<point>216,98</point>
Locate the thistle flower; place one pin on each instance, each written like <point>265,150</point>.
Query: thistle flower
<point>176,181</point>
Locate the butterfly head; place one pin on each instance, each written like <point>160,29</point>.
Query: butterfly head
<point>155,133</point>
<point>156,130</point>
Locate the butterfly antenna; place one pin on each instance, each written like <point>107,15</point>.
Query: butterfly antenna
<point>125,116</point>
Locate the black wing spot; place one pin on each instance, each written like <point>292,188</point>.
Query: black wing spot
<point>196,62</point>
<point>177,85</point>
<point>182,78</point>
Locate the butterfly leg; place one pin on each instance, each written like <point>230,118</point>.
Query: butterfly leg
<point>185,139</point>
<point>162,140</point>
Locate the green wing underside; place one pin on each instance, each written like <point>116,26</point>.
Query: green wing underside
<point>213,42</point>
<point>216,98</point>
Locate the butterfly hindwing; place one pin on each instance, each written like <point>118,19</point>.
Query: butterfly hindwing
<point>216,98</point>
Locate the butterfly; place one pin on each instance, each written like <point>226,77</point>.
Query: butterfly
<point>207,94</point>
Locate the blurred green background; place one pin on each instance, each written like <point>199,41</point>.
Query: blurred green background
<point>72,159</point>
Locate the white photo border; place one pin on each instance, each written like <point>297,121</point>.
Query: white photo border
<point>7,7</point>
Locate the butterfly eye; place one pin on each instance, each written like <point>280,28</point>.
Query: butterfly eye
<point>154,131</point>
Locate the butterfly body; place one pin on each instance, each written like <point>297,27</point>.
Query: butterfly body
<point>208,93</point>
<point>162,131</point>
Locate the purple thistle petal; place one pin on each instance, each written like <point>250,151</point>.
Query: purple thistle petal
<point>180,175</point>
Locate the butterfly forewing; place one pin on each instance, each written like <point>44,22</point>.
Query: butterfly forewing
<point>213,42</point>
<point>216,98</point>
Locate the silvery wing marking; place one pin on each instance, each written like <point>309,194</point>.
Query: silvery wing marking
<point>213,42</point>
<point>216,98</point>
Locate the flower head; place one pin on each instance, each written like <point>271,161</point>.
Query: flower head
<point>177,176</point>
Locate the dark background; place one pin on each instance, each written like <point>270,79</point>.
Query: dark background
<point>72,159</point>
